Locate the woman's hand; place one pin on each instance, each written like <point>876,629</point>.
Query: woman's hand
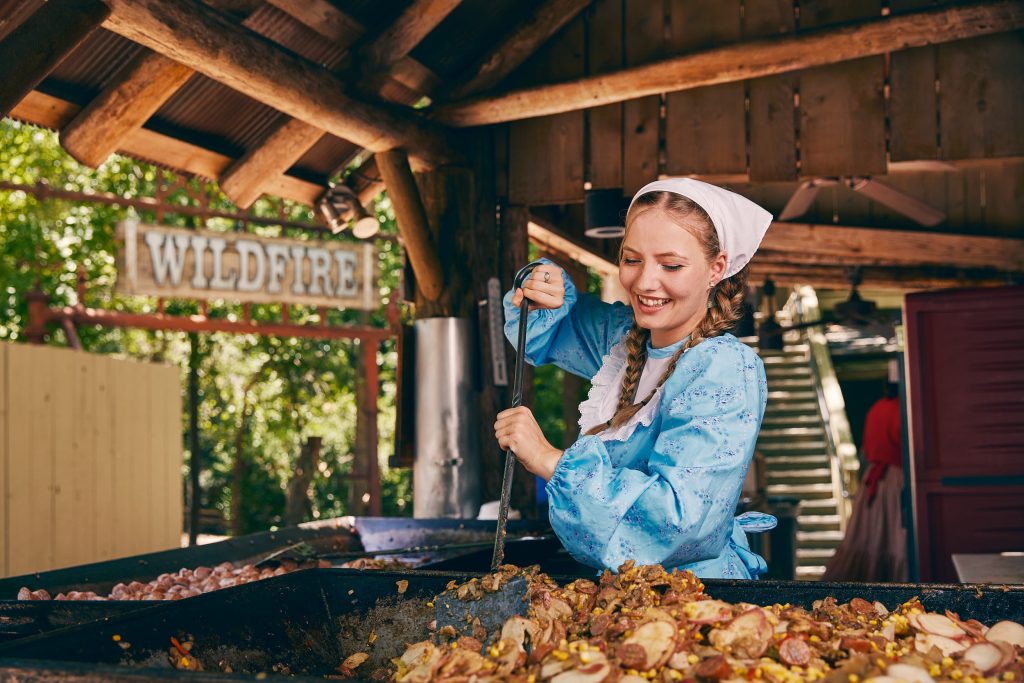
<point>517,430</point>
<point>545,288</point>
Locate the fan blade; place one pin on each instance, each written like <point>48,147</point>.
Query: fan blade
<point>898,201</point>
<point>800,202</point>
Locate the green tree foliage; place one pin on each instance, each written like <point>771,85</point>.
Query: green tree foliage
<point>260,396</point>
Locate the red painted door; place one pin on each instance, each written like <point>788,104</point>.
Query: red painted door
<point>965,390</point>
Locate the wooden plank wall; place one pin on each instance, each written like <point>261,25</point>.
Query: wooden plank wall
<point>958,101</point>
<point>90,458</point>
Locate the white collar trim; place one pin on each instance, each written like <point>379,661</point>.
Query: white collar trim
<point>600,405</point>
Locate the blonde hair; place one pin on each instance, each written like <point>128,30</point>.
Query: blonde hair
<point>724,310</point>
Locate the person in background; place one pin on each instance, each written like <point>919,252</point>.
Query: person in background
<point>875,545</point>
<point>669,427</point>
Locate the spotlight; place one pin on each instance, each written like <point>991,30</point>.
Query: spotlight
<point>604,214</point>
<point>339,200</point>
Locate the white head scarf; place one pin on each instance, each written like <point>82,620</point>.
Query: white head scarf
<point>739,222</point>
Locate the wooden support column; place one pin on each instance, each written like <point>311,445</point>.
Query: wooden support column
<point>134,95</point>
<point>41,42</point>
<point>191,33</point>
<point>412,222</point>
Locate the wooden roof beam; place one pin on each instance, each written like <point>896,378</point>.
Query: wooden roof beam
<point>901,279</point>
<point>41,42</point>
<point>247,178</point>
<point>143,143</point>
<point>742,61</point>
<point>798,242</point>
<point>199,37</point>
<point>133,95</point>
<point>545,22</point>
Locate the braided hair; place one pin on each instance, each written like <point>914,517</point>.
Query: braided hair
<point>725,303</point>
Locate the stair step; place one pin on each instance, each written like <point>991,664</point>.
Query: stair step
<point>791,433</point>
<point>782,421</point>
<point>794,360</point>
<point>793,371</point>
<point>812,556</point>
<point>819,506</point>
<point>802,394</point>
<point>810,572</point>
<point>817,522</point>
<point>821,475</point>
<point>789,350</point>
<point>768,448</point>
<point>789,383</point>
<point>795,462</point>
<point>801,490</point>
<point>818,539</point>
<point>792,408</point>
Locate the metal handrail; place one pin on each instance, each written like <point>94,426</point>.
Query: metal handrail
<point>842,451</point>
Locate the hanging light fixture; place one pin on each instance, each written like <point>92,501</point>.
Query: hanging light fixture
<point>341,199</point>
<point>604,214</point>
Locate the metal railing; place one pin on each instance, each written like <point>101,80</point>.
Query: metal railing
<point>842,451</point>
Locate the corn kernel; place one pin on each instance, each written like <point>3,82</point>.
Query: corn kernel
<point>559,655</point>
<point>692,659</point>
<point>853,678</point>
<point>947,662</point>
<point>956,674</point>
<point>184,661</point>
<point>935,670</point>
<point>430,604</point>
<point>1009,676</point>
<point>532,678</point>
<point>116,638</point>
<point>814,639</point>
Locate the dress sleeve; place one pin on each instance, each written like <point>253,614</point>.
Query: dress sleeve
<point>678,508</point>
<point>576,336</point>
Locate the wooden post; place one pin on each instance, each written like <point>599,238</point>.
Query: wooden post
<point>35,48</point>
<point>412,221</point>
<point>369,412</point>
<point>297,504</point>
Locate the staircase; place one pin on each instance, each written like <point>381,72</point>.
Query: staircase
<point>795,447</point>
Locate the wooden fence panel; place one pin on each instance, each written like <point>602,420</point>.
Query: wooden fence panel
<point>93,457</point>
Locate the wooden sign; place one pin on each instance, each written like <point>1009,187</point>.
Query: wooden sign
<point>200,264</point>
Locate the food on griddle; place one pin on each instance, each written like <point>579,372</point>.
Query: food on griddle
<point>644,624</point>
<point>375,563</point>
<point>184,583</point>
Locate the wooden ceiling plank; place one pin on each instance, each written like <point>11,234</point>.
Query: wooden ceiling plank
<point>41,42</point>
<point>741,61</point>
<point>133,95</point>
<point>517,46</point>
<point>191,33</point>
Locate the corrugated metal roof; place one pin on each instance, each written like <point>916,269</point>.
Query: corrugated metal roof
<point>93,63</point>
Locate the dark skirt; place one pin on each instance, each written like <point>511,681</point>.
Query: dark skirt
<point>875,545</point>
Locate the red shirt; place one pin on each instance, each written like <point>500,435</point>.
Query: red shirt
<point>882,438</point>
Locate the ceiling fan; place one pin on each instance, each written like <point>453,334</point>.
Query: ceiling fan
<point>896,200</point>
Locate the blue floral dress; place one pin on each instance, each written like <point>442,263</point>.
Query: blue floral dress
<point>663,487</point>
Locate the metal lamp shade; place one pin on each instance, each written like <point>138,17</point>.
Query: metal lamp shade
<point>604,214</point>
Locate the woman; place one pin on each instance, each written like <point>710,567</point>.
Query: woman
<point>669,427</point>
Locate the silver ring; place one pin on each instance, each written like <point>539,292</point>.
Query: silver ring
<point>547,276</point>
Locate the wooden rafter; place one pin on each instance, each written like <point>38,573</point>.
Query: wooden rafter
<point>290,139</point>
<point>195,35</point>
<point>838,277</point>
<point>816,244</point>
<point>36,46</point>
<point>738,62</point>
<point>142,143</point>
<point>406,32</point>
<point>513,50</point>
<point>134,94</point>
